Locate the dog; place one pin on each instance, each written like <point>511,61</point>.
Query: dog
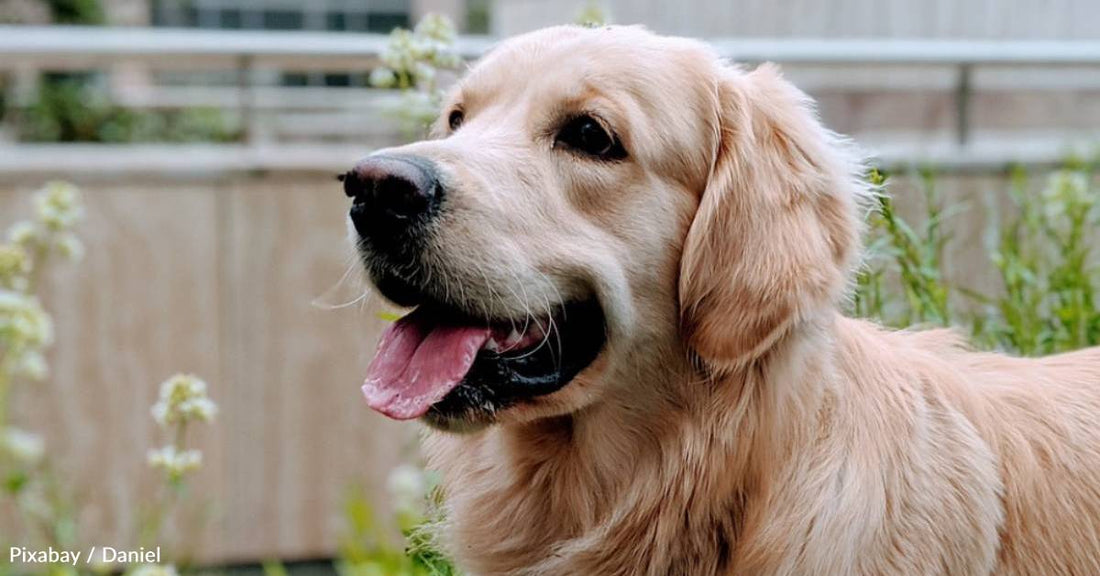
<point>628,261</point>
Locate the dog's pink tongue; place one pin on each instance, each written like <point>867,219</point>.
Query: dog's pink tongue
<point>418,363</point>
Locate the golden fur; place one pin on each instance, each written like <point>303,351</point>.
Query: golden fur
<point>736,423</point>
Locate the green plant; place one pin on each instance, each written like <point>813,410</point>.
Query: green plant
<point>69,109</point>
<point>592,14</point>
<point>1019,322</point>
<point>1045,261</point>
<point>367,549</point>
<point>32,485</point>
<point>84,12</point>
<point>917,254</point>
<point>1043,258</point>
<point>183,401</point>
<point>478,16</point>
<point>412,63</point>
<point>868,296</point>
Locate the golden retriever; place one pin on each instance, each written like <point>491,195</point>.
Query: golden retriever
<point>628,260</point>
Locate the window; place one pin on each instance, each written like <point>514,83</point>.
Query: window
<point>379,16</point>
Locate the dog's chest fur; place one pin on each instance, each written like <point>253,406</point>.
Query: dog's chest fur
<point>754,477</point>
<point>544,507</point>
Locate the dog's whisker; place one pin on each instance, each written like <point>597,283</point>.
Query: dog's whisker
<point>528,315</point>
<point>490,314</point>
<point>320,302</point>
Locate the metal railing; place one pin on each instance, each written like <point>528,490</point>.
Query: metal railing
<point>45,42</point>
<point>33,48</point>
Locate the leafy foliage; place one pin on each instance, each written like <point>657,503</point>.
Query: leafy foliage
<point>418,514</point>
<point>69,109</point>
<point>83,12</point>
<point>1043,258</point>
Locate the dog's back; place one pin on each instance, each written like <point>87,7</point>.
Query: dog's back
<point>1043,422</point>
<point>1039,420</point>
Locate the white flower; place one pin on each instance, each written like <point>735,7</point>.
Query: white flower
<point>23,323</point>
<point>383,78</point>
<point>32,365</point>
<point>1067,191</point>
<point>419,49</point>
<point>447,59</point>
<point>15,265</point>
<point>175,463</point>
<point>407,485</point>
<point>415,56</point>
<point>436,27</point>
<point>23,234</point>
<point>154,570</point>
<point>183,399</point>
<point>399,51</point>
<point>419,106</point>
<point>58,205</point>
<point>70,247</point>
<point>21,446</point>
<point>424,71</point>
<point>201,409</point>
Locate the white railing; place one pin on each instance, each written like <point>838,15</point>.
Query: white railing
<point>33,48</point>
<point>46,42</point>
<point>61,43</point>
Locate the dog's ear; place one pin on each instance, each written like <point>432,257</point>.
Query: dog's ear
<point>777,226</point>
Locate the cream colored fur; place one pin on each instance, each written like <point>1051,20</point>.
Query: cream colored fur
<point>736,422</point>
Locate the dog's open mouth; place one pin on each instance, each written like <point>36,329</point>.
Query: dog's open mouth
<point>447,367</point>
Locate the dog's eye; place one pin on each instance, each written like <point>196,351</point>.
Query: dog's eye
<point>585,134</point>
<point>455,119</point>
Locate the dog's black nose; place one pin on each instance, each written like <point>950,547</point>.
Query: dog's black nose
<point>392,195</point>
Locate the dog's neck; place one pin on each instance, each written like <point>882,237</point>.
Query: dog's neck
<point>742,420</point>
<point>706,439</point>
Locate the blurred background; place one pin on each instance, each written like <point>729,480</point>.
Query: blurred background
<point>204,136</point>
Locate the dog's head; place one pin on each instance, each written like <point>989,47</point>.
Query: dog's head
<point>592,201</point>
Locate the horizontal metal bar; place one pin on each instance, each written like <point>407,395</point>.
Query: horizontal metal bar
<point>988,153</point>
<point>913,52</point>
<point>51,42</point>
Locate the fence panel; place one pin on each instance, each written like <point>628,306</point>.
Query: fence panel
<point>217,279</point>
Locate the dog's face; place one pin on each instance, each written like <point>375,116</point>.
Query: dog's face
<point>576,215</point>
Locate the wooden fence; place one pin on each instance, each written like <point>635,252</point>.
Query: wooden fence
<point>220,279</point>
